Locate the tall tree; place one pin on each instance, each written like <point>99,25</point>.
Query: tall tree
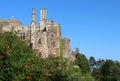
<point>92,62</point>
<point>110,71</point>
<point>82,62</point>
<point>107,70</point>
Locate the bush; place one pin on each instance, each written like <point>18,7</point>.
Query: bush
<point>19,63</point>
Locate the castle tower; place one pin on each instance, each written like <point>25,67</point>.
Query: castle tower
<point>66,47</point>
<point>77,50</point>
<point>33,23</point>
<point>43,18</point>
<point>43,15</point>
<point>33,27</point>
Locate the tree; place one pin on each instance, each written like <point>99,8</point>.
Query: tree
<point>92,62</point>
<point>107,70</point>
<point>18,62</point>
<point>82,62</point>
<point>96,73</point>
<point>110,71</point>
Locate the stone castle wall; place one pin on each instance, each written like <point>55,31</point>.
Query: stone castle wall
<point>9,25</point>
<point>44,38</point>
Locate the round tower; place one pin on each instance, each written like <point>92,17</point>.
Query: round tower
<point>66,47</point>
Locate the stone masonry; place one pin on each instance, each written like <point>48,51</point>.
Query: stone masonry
<point>43,37</point>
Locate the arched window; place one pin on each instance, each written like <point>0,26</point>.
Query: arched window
<point>39,41</point>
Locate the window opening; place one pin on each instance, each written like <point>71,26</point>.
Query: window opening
<point>52,35</point>
<point>39,41</point>
<point>22,35</point>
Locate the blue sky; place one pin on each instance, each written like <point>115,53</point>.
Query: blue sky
<point>92,25</point>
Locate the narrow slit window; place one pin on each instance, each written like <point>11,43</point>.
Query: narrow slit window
<point>39,41</point>
<point>23,35</point>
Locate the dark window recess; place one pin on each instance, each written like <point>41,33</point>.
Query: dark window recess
<point>52,36</point>
<point>22,36</point>
<point>44,30</point>
<point>31,45</point>
<point>39,41</point>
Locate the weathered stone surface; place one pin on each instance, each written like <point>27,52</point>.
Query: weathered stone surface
<point>44,38</point>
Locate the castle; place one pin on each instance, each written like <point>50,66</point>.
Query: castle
<point>44,37</point>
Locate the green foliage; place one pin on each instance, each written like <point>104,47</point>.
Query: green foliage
<point>92,62</point>
<point>15,58</point>
<point>76,74</point>
<point>61,49</point>
<point>84,66</point>
<point>19,63</point>
<point>109,70</point>
<point>82,62</point>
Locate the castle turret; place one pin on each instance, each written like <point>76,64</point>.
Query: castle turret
<point>77,50</point>
<point>33,27</point>
<point>43,18</point>
<point>66,47</point>
<point>33,23</point>
<point>43,15</point>
<point>33,15</point>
